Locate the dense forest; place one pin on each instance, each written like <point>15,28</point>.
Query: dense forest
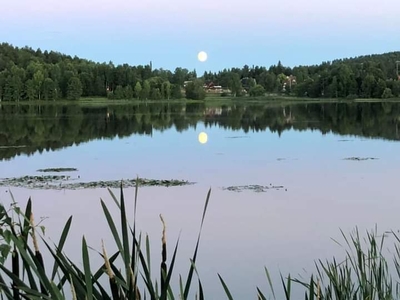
<point>26,129</point>
<point>27,74</point>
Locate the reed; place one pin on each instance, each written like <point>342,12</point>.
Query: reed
<point>364,273</point>
<point>18,232</point>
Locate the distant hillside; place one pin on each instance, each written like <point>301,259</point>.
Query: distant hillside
<point>27,74</point>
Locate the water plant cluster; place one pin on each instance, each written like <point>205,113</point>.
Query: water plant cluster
<point>66,182</point>
<point>365,273</point>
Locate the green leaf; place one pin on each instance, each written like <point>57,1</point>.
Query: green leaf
<point>190,275</point>
<point>30,260</point>
<point>7,236</point>
<point>61,243</point>
<point>43,229</point>
<point>125,241</point>
<point>112,226</point>
<point>114,198</point>
<point>227,292</point>
<point>5,250</point>
<point>86,268</point>
<point>269,282</point>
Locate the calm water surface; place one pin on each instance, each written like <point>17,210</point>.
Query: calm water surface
<point>301,147</point>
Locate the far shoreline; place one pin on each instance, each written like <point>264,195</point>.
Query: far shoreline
<point>215,100</point>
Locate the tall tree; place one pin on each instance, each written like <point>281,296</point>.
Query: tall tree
<point>38,79</point>
<point>138,90</point>
<point>235,85</point>
<point>145,92</point>
<point>74,91</point>
<point>49,89</point>
<point>194,90</point>
<point>166,90</point>
<point>128,92</point>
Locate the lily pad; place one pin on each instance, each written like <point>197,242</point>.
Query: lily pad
<point>61,182</point>
<point>360,158</point>
<point>254,188</point>
<point>57,170</point>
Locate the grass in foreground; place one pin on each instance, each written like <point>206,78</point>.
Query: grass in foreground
<point>363,274</point>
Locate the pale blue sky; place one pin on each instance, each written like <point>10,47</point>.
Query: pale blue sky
<point>232,32</point>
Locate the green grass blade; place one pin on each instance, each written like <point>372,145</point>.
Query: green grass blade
<point>146,276</point>
<point>286,287</point>
<point>201,292</point>
<point>148,254</point>
<point>69,271</point>
<point>125,241</point>
<point>190,275</point>
<point>171,268</point>
<point>260,295</point>
<point>29,258</point>
<point>180,287</point>
<point>114,198</point>
<point>4,288</point>
<point>270,282</point>
<point>227,292</point>
<point>26,226</point>
<point>133,290</point>
<point>61,243</point>
<point>112,226</point>
<point>86,268</point>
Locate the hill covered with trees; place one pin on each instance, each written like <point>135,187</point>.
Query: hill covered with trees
<point>27,74</point>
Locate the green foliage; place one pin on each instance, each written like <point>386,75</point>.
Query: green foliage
<point>387,93</point>
<point>119,93</point>
<point>257,91</point>
<point>364,76</point>
<point>49,89</point>
<point>38,79</point>
<point>138,90</point>
<point>365,273</point>
<point>74,91</point>
<point>166,90</point>
<point>146,89</point>
<point>194,90</point>
<point>30,90</point>
<point>128,92</point>
<point>235,85</point>
<point>155,94</point>
<point>84,282</point>
<point>176,92</point>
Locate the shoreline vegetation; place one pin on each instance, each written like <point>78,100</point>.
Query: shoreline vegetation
<point>208,100</point>
<point>364,273</point>
<point>36,76</point>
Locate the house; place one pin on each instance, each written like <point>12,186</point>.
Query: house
<point>212,88</point>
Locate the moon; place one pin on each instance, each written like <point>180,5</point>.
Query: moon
<point>202,56</point>
<point>203,138</point>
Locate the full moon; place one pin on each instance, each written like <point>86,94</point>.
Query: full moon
<point>202,56</point>
<point>203,138</point>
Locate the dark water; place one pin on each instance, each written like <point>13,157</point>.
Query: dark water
<point>301,147</point>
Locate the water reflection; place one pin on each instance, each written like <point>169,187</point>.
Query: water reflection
<point>27,129</point>
<point>248,144</point>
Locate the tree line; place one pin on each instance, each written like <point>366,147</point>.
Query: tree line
<point>59,126</point>
<point>27,74</point>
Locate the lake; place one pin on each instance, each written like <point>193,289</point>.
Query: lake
<point>322,167</point>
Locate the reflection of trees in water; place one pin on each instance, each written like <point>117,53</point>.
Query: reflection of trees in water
<point>52,127</point>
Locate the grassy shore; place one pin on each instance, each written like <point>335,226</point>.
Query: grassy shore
<point>365,273</point>
<point>210,99</point>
